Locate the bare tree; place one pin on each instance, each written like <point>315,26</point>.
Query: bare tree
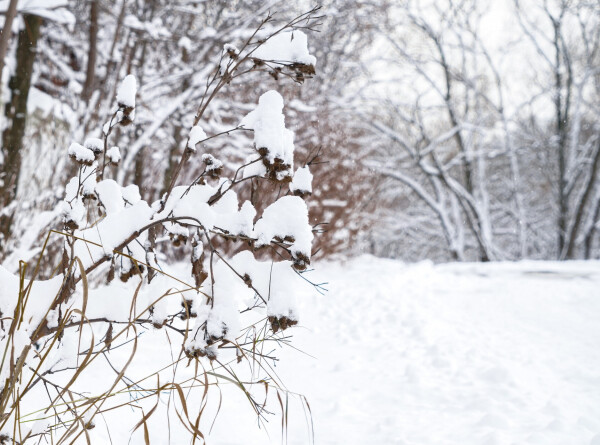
<point>497,171</point>
<point>566,38</point>
<point>436,137</point>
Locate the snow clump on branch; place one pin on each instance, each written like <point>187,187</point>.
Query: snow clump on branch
<point>286,47</point>
<point>197,134</point>
<point>126,100</point>
<point>301,184</point>
<point>272,140</point>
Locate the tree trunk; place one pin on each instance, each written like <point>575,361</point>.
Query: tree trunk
<point>11,12</point>
<point>173,157</point>
<point>16,115</point>
<point>562,124</point>
<point>589,236</point>
<point>92,52</point>
<point>582,205</point>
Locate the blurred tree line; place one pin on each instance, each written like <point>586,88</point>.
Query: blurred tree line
<point>436,136</point>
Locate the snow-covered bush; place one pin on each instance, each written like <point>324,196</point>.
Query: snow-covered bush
<point>114,284</point>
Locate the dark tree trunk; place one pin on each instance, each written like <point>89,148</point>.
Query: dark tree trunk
<point>562,82</point>
<point>9,16</point>
<point>589,236</point>
<point>90,75</point>
<point>582,205</point>
<point>16,115</point>
<point>174,155</point>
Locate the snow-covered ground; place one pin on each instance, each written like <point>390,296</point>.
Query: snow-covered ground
<point>469,354</point>
<point>444,354</point>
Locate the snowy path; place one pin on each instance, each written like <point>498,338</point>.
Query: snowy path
<point>450,354</point>
<point>457,354</point>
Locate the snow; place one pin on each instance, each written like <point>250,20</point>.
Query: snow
<point>468,354</point>
<point>110,232</point>
<point>190,202</point>
<point>53,10</point>
<point>286,217</point>
<point>415,354</point>
<point>126,92</point>
<point>254,168</point>
<point>185,43</point>
<point>72,208</point>
<point>231,49</point>
<point>28,246</point>
<point>177,229</point>
<point>40,297</point>
<point>49,107</point>
<point>451,354</point>
<point>334,203</point>
<point>114,155</point>
<point>302,181</point>
<point>131,193</point>
<point>224,215</point>
<point>155,28</point>
<point>197,251</point>
<point>87,182</point>
<point>131,21</point>
<point>286,47</point>
<point>211,162</point>
<point>268,123</point>
<point>109,193</point>
<point>81,154</point>
<point>302,107</point>
<point>239,223</point>
<point>197,134</point>
<point>272,281</point>
<point>73,213</point>
<point>94,144</point>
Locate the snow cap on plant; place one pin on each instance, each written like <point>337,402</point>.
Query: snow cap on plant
<point>95,145</point>
<point>214,167</point>
<point>289,50</point>
<point>126,100</point>
<point>272,140</point>
<point>197,134</point>
<point>301,184</point>
<point>114,155</point>
<point>81,154</point>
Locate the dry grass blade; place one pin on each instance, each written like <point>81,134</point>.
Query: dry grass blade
<point>134,300</point>
<point>182,399</point>
<point>143,423</point>
<point>282,417</point>
<point>84,363</point>
<point>146,434</point>
<point>146,416</point>
<point>84,281</point>
<point>107,394</point>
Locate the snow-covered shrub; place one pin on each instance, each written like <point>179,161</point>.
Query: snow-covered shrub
<point>56,333</point>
